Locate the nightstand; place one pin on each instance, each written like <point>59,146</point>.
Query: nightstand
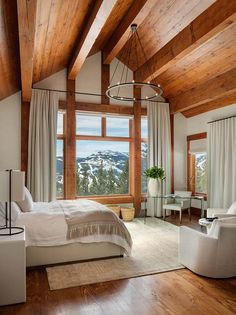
<point>12,269</point>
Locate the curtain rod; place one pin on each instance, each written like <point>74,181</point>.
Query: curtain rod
<point>83,93</point>
<point>210,122</point>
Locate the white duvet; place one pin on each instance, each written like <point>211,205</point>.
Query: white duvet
<point>45,225</point>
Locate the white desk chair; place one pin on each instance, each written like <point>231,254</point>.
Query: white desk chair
<point>178,204</point>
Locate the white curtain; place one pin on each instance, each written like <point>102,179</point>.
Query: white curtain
<point>41,178</point>
<point>159,149</point>
<point>221,163</point>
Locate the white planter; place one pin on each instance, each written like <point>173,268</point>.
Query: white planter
<point>153,187</point>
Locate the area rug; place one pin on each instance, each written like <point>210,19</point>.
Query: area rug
<point>155,250</point>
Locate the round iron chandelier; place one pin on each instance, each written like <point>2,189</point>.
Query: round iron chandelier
<point>119,91</point>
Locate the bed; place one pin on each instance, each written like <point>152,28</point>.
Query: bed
<point>48,225</point>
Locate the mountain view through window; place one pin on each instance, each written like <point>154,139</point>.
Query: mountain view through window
<point>102,168</point>
<point>201,173</point>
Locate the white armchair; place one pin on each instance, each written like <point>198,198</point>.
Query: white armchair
<point>213,254</point>
<point>222,213</point>
<point>178,204</point>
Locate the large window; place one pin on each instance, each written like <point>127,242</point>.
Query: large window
<point>60,154</point>
<point>197,163</point>
<point>200,173</point>
<point>102,155</point>
<point>144,152</point>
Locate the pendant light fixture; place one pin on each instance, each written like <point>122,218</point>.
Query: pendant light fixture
<point>118,90</point>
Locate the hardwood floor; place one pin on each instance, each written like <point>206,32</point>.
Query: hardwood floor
<point>176,292</point>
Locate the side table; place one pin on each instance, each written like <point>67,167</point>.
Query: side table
<point>12,269</point>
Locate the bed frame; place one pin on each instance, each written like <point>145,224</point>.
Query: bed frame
<point>51,255</point>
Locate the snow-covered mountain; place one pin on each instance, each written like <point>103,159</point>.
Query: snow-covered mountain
<point>110,159</point>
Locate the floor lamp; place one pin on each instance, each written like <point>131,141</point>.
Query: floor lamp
<point>12,183</point>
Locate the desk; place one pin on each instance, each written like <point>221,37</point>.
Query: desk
<point>162,198</point>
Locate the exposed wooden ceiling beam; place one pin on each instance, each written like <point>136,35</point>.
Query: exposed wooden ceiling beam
<point>136,14</point>
<point>211,22</point>
<point>97,19</point>
<point>220,102</point>
<point>26,11</point>
<point>222,86</point>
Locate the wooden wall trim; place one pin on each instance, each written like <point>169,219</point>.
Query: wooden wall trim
<point>197,136</point>
<point>109,199</point>
<point>25,113</point>
<point>136,151</point>
<point>103,108</point>
<point>191,160</point>
<point>172,151</point>
<point>70,144</point>
<point>105,80</point>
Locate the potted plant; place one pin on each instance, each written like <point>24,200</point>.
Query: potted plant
<point>156,175</point>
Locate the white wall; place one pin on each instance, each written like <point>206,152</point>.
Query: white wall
<point>198,124</point>
<point>193,125</point>
<point>10,132</point>
<point>89,79</point>
<point>180,152</point>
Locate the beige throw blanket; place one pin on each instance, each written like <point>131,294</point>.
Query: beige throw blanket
<point>89,218</point>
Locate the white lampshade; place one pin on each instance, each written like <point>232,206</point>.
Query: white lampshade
<point>17,186</point>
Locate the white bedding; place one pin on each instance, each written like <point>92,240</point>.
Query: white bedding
<point>46,226</point>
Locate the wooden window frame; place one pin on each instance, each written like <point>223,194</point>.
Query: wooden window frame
<point>104,137</point>
<point>63,137</point>
<point>116,111</point>
<point>191,164</point>
<point>143,140</point>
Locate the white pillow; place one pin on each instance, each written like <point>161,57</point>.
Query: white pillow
<point>2,208</point>
<point>15,211</point>
<point>27,204</point>
<point>232,209</point>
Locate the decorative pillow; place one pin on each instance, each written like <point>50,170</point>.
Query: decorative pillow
<point>232,209</point>
<point>2,210</point>
<point>27,204</point>
<point>15,211</point>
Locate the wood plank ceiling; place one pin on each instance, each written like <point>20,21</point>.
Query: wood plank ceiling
<point>190,45</point>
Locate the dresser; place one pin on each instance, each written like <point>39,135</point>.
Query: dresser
<point>12,269</point>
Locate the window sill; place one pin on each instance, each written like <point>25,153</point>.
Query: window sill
<point>110,199</point>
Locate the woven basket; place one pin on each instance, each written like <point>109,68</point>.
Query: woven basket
<point>114,208</point>
<point>127,214</point>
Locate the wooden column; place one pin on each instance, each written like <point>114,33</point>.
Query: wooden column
<point>172,151</point>
<point>70,144</point>
<point>25,112</point>
<point>105,79</point>
<point>136,172</point>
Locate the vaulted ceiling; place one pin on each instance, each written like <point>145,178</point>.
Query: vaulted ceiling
<point>190,45</point>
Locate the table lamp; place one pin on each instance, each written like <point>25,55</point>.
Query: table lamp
<point>12,184</point>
